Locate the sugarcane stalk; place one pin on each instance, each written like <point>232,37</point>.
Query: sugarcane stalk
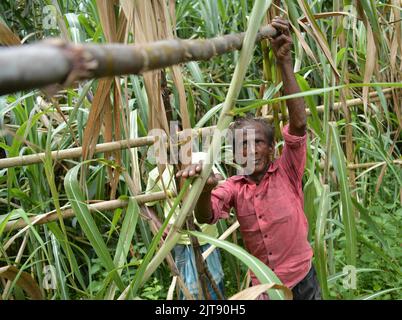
<point>57,62</point>
<point>356,166</point>
<point>76,152</point>
<point>100,206</point>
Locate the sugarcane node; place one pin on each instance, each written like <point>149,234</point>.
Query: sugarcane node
<point>82,64</point>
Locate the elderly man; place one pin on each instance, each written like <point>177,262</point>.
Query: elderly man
<point>269,200</point>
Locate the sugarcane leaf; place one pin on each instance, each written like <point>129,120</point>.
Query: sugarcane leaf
<point>319,242</point>
<point>348,218</point>
<point>87,223</point>
<point>261,270</point>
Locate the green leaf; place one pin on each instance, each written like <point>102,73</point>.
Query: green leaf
<point>126,236</point>
<point>348,218</point>
<point>370,223</point>
<point>319,243</point>
<point>377,294</point>
<point>3,221</point>
<point>87,223</point>
<point>260,269</point>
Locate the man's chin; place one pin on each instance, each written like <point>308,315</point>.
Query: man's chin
<point>253,169</point>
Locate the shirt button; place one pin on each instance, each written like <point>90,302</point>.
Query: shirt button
<point>265,236</point>
<point>270,253</point>
<point>260,217</point>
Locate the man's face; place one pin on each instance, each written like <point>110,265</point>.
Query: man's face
<point>260,151</point>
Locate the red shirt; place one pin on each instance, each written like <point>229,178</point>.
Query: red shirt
<point>271,215</point>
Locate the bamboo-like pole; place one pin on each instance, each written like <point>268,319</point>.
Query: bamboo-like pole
<point>356,166</point>
<point>338,105</point>
<point>55,61</point>
<point>100,206</point>
<point>76,152</point>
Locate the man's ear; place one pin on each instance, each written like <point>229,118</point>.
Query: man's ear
<point>271,150</point>
<point>271,147</point>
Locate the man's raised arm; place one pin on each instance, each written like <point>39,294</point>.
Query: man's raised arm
<point>281,46</point>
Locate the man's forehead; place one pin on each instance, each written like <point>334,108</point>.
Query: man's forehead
<point>257,129</point>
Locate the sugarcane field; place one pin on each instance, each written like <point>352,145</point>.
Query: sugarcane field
<point>201,150</point>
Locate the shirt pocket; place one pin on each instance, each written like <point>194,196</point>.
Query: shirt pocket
<point>283,205</point>
<point>248,221</point>
<point>282,211</point>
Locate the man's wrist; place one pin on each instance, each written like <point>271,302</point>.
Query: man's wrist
<point>285,63</point>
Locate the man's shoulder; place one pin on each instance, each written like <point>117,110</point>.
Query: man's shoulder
<point>235,180</point>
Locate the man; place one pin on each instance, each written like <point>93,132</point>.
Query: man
<point>269,200</point>
<point>183,251</point>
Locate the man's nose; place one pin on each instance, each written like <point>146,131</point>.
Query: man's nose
<point>251,148</point>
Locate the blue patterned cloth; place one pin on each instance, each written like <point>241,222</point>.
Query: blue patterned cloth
<point>185,261</point>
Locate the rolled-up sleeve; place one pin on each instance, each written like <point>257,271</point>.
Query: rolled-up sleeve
<point>222,200</point>
<point>293,159</point>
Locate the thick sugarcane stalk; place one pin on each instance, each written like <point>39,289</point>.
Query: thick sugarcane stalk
<point>55,61</point>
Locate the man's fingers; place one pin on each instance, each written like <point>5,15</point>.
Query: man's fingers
<point>281,25</point>
<point>198,167</point>
<point>191,171</point>
<point>285,48</point>
<point>182,173</point>
<point>280,40</point>
<point>281,20</point>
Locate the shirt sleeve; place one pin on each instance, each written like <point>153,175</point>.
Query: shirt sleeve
<point>293,159</point>
<point>222,200</point>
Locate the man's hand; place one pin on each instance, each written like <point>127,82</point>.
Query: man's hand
<point>194,170</point>
<point>282,43</point>
<point>203,209</point>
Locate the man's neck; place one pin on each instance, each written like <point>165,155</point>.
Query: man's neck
<point>256,178</point>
